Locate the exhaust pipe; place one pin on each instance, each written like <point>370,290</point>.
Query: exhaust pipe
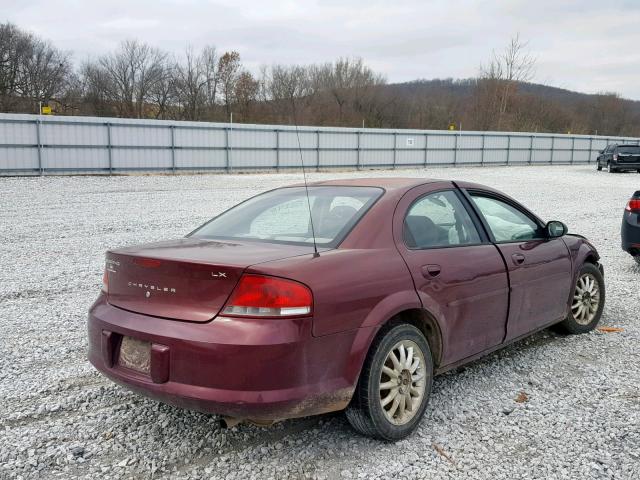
<point>229,422</point>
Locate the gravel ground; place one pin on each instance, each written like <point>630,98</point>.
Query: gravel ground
<point>580,417</point>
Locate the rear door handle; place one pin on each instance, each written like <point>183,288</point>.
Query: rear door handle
<point>431,270</point>
<point>518,258</point>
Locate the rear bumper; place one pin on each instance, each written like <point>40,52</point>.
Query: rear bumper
<point>261,370</point>
<point>626,165</point>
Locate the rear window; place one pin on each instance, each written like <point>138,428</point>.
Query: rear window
<point>282,216</point>
<point>629,149</point>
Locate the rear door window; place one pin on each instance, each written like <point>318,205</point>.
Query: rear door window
<point>439,220</point>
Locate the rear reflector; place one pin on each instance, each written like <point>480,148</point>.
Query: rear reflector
<point>262,296</point>
<point>633,205</point>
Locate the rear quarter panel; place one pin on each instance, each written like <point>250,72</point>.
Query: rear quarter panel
<point>351,288</point>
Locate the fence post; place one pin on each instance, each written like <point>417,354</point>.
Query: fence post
<point>482,150</point>
<point>573,146</point>
<point>40,169</point>
<point>109,152</point>
<point>590,150</point>
<point>553,147</point>
<point>455,151</point>
<point>317,150</point>
<point>395,148</point>
<point>228,156</point>
<point>426,148</point>
<point>172,129</point>
<point>530,149</point>
<point>508,148</point>
<point>358,147</point>
<point>277,150</point>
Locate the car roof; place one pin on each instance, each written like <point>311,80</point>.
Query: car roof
<point>388,183</point>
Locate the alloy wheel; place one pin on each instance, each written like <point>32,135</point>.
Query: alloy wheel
<point>402,382</point>
<point>586,299</point>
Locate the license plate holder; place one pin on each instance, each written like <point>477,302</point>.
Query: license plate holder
<point>135,354</point>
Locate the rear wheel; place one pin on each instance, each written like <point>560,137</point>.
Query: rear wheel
<point>587,302</point>
<point>598,166</point>
<point>610,169</point>
<point>394,386</point>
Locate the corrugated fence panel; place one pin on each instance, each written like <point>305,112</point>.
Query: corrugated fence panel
<point>288,139</point>
<point>199,137</point>
<point>31,144</point>
<point>71,134</point>
<point>291,158</point>
<point>55,158</point>
<point>18,159</point>
<point>159,136</point>
<point>376,157</point>
<point>14,133</point>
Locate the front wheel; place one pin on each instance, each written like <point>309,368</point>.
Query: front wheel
<point>637,257</point>
<point>394,386</point>
<point>587,302</point>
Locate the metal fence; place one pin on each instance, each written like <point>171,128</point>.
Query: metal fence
<point>32,144</point>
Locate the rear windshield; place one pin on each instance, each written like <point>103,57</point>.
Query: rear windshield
<point>629,149</point>
<point>282,216</point>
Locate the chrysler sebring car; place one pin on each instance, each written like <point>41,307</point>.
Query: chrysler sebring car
<point>350,294</point>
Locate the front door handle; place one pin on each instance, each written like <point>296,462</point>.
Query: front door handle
<point>518,258</point>
<point>431,270</point>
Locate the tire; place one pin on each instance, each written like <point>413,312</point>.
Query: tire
<point>598,167</point>
<point>585,312</point>
<point>637,257</point>
<point>610,169</point>
<point>366,412</point>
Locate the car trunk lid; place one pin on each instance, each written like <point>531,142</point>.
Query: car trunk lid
<point>185,279</point>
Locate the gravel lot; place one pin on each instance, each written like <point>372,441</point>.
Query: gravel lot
<point>60,419</point>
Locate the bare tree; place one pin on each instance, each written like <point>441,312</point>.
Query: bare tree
<point>228,73</point>
<point>499,79</point>
<point>129,76</point>
<point>209,62</point>
<point>245,94</point>
<point>46,72</point>
<point>190,82</point>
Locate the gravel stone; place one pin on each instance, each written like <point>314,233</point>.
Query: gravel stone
<point>61,419</point>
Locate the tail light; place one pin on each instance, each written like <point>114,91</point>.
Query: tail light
<point>105,281</point>
<point>633,206</point>
<point>615,157</point>
<point>263,296</point>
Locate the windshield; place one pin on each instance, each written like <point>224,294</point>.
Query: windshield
<point>282,216</point>
<point>629,150</point>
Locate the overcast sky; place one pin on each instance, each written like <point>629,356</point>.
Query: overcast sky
<point>584,45</point>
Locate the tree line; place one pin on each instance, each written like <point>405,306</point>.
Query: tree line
<point>137,80</point>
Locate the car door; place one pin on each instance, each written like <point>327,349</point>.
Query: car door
<point>539,267</point>
<point>458,274</point>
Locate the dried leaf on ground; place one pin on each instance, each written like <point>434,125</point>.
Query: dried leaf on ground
<point>522,397</point>
<point>441,451</point>
<point>610,329</point>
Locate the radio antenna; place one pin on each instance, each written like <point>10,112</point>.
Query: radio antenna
<point>304,175</point>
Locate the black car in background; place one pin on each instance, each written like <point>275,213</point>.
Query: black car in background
<point>630,231</point>
<point>619,157</point>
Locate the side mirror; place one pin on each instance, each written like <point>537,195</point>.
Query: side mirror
<point>556,229</point>
<point>601,152</point>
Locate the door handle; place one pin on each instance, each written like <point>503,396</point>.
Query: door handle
<point>518,258</point>
<point>431,270</point>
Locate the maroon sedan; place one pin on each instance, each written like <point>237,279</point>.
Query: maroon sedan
<point>411,278</point>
